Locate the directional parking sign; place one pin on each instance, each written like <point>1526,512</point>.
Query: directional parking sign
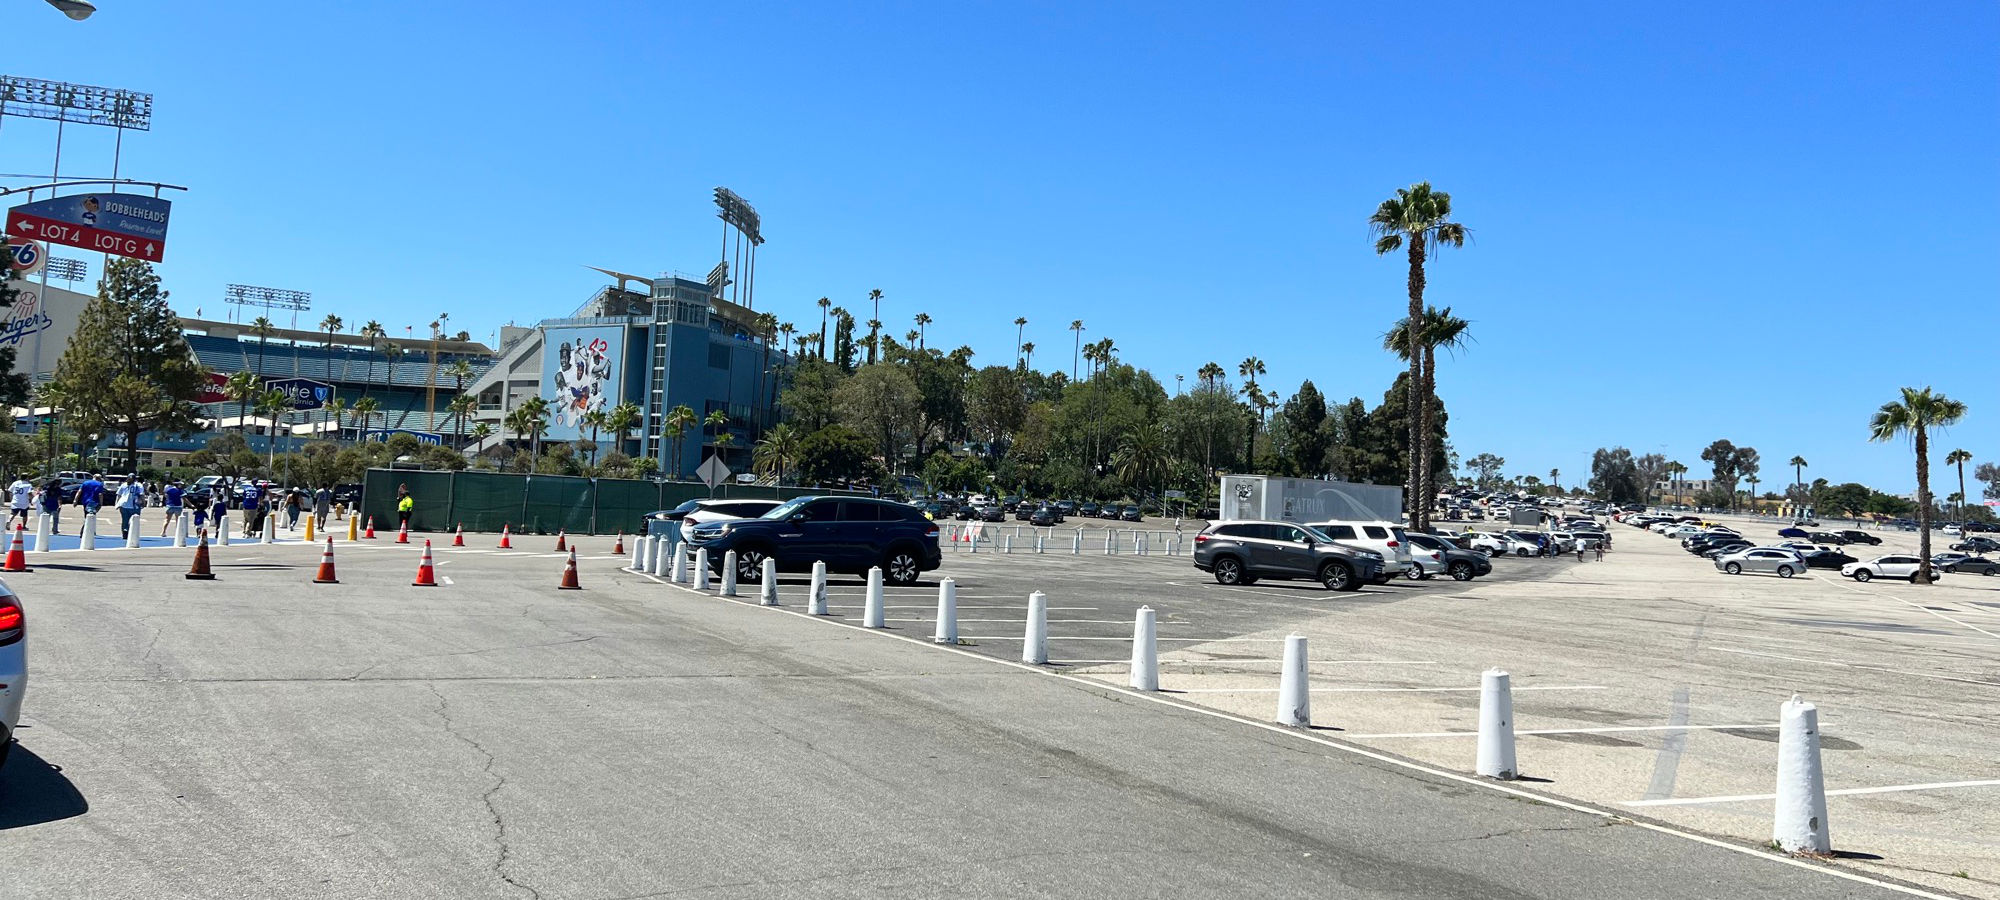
<point>123,224</point>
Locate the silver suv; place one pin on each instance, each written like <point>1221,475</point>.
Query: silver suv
<point>1243,552</point>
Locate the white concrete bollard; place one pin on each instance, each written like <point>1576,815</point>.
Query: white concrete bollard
<point>1139,542</point>
<point>221,530</point>
<point>1038,545</point>
<point>656,556</point>
<point>677,564</point>
<point>1799,824</point>
<point>181,529</point>
<point>1294,697</point>
<point>1145,651</point>
<point>639,544</point>
<point>132,535</point>
<point>816,601</point>
<point>1110,541</point>
<point>767,589</point>
<point>1495,757</point>
<point>1076,545</point>
<point>701,569</point>
<point>871,610</point>
<point>972,542</point>
<point>1035,646</point>
<point>44,525</point>
<point>729,574</point>
<point>88,539</point>
<point>947,616</point>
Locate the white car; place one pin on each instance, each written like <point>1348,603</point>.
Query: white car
<point>723,511</point>
<point>1780,561</point>
<point>1892,566</point>
<point>1953,530</point>
<point>13,665</point>
<point>1386,538</point>
<point>1489,544</point>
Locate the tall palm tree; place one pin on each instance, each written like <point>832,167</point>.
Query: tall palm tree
<point>271,405</point>
<point>333,408</point>
<point>714,420</point>
<point>480,432</point>
<point>1027,356</point>
<point>874,323</point>
<point>1674,471</point>
<point>1020,331</point>
<point>1799,465</point>
<point>516,422</point>
<point>1250,368</point>
<point>596,419</point>
<point>243,387</point>
<point>1753,491</point>
<point>825,305</point>
<point>1916,414</point>
<point>262,328</point>
<point>1438,328</point>
<point>535,412</point>
<point>1142,459</point>
<point>923,322</point>
<point>1417,220</point>
<point>460,408</point>
<point>1959,458</point>
<point>1555,478</point>
<point>1211,376</point>
<point>1075,325</point>
<point>373,332</point>
<point>777,451</point>
<point>766,325</point>
<point>364,408</point>
<point>678,420</point>
<point>620,421</point>
<point>331,324</point>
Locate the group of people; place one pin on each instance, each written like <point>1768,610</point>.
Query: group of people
<point>254,501</point>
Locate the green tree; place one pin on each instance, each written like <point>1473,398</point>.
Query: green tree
<point>596,419</point>
<point>460,408</point>
<point>809,398</point>
<point>1305,419</point>
<point>535,415</point>
<point>620,422</point>
<point>778,450</point>
<point>712,424</point>
<point>271,407</point>
<point>1614,476</point>
<point>1489,467</point>
<point>1437,329</point>
<point>676,423</point>
<point>881,401</point>
<point>364,409</point>
<point>1142,459</point>
<point>1418,221</point>
<point>1916,413</point>
<point>243,387</point>
<point>874,324</point>
<point>128,368</point>
<point>836,453</point>
<point>843,340</point>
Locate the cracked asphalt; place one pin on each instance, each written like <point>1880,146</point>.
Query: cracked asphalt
<point>260,736</point>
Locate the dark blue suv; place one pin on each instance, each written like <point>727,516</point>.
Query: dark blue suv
<point>851,534</point>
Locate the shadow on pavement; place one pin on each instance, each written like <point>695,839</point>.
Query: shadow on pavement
<point>34,791</point>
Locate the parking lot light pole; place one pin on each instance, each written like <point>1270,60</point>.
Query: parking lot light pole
<point>75,9</point>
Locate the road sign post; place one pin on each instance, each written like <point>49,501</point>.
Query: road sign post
<point>712,473</point>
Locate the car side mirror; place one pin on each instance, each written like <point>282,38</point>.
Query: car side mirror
<point>796,520</point>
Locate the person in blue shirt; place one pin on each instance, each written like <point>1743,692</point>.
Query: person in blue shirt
<point>174,497</point>
<point>253,509</point>
<point>90,495</point>
<point>131,499</point>
<point>52,501</point>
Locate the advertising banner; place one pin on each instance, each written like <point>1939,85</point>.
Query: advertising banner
<point>39,324</point>
<point>582,369</point>
<point>124,224</point>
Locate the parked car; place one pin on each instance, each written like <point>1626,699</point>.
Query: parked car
<point>1386,538</point>
<point>851,534</point>
<point>1977,545</point>
<point>1859,537</point>
<point>1132,513</point>
<point>1025,511</point>
<point>13,666</point>
<point>1042,517</point>
<point>1779,561</point>
<point>1087,510</point>
<point>1827,537</point>
<point>1892,566</point>
<point>993,513</point>
<point>695,512</point>
<point>1108,511</point>
<point>1960,564</point>
<point>1243,552</point>
<point>1793,532</point>
<point>1827,558</point>
<point>1714,551</point>
<point>1460,564</point>
<point>1489,544</point>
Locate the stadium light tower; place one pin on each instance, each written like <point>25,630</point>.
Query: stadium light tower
<point>75,9</point>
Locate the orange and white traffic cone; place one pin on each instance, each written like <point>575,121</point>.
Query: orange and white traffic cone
<point>562,541</point>
<point>403,533</point>
<point>200,571</point>
<point>618,549</point>
<point>506,538</point>
<point>17,553</point>
<point>370,533</point>
<point>426,572</point>
<point>569,575</point>
<point>458,537</point>
<point>325,575</point>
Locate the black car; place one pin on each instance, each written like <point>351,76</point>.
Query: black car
<point>1461,564</point>
<point>849,534</point>
<point>1976,545</point>
<point>1827,559</point>
<point>1243,552</point>
<point>1088,510</point>
<point>1726,547</point>
<point>1108,511</point>
<point>1009,502</point>
<point>1132,513</point>
<point>1827,537</point>
<point>1023,511</point>
<point>1065,507</point>
<point>1043,516</point>
<point>992,514</point>
<point>1859,537</point>
<point>966,513</point>
<point>1970,565</point>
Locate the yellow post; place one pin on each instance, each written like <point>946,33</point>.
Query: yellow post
<point>354,528</point>
<point>309,528</point>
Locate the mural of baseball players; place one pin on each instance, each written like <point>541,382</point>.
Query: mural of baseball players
<point>583,377</point>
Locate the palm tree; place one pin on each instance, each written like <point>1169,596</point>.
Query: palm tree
<point>243,387</point>
<point>459,408</point>
<point>824,305</point>
<point>1027,356</point>
<point>1250,368</point>
<point>714,420</point>
<point>1959,458</point>
<point>923,321</point>
<point>1142,460</point>
<point>776,452</point>
<point>330,325</point>
<point>596,419</point>
<point>1555,478</point>
<point>620,421</point>
<point>1211,376</point>
<point>1916,414</point>
<point>373,332</point>
<point>1020,331</point>
<point>874,323</point>
<point>480,432</point>
<point>333,408</point>
<point>1439,328</point>
<point>535,413</point>
<point>1753,492</point>
<point>1417,220</point>
<point>1075,325</point>
<point>364,408</point>
<point>516,421</point>
<point>678,420</point>
<point>271,405</point>
<point>1675,470</point>
<point>1799,465</point>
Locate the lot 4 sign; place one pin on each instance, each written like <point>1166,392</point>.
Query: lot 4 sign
<point>124,224</point>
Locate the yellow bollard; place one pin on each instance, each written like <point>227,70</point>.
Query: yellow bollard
<point>354,528</point>
<point>309,528</point>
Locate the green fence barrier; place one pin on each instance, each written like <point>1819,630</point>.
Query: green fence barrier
<point>485,501</point>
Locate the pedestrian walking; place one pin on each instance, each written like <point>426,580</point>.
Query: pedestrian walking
<point>253,509</point>
<point>22,492</point>
<point>197,504</point>
<point>131,499</point>
<point>172,499</point>
<point>90,495</point>
<point>405,504</point>
<point>1579,551</point>
<point>52,503</point>
<point>322,507</point>
<point>294,504</point>
<point>1600,551</point>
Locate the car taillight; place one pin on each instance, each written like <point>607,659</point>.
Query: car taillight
<point>1201,538</point>
<point>1392,545</point>
<point>12,622</point>
<point>931,531</point>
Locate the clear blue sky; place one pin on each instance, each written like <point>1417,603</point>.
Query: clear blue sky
<point>1689,221</point>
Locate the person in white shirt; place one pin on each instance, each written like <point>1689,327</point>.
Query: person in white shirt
<point>22,492</point>
<point>131,499</point>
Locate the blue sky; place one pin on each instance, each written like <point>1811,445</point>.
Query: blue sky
<point>1689,221</point>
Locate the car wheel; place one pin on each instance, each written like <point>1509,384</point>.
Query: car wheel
<point>750,565</point>
<point>1415,572</point>
<point>1228,571</point>
<point>1461,571</point>
<point>1863,575</point>
<point>1336,576</point>
<point>1523,553</point>
<point>1733,569</point>
<point>901,567</point>
<point>1784,571</point>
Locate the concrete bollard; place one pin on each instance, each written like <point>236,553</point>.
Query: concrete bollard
<point>1110,541</point>
<point>656,557</point>
<point>44,525</point>
<point>1139,542</point>
<point>132,535</point>
<point>701,569</point>
<point>270,529</point>
<point>221,530</point>
<point>1035,647</point>
<point>871,610</point>
<point>816,601</point>
<point>1799,824</point>
<point>181,529</point>
<point>1496,726</point>
<point>1294,697</point>
<point>640,544</point>
<point>1145,651</point>
<point>677,562</point>
<point>767,589</point>
<point>947,616</point>
<point>971,541</point>
<point>729,574</point>
<point>88,536</point>
<point>1076,545</point>
<point>1009,544</point>
<point>1038,545</point>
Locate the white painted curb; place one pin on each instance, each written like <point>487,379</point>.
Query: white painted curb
<point>1799,823</point>
<point>729,574</point>
<point>1294,700</point>
<point>1035,646</point>
<point>1145,651</point>
<point>1495,757</point>
<point>947,614</point>
<point>767,589</point>
<point>816,604</point>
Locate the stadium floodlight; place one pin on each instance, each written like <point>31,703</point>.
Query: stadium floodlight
<point>269,298</point>
<point>85,104</point>
<point>75,9</point>
<point>735,211</point>
<point>62,268</point>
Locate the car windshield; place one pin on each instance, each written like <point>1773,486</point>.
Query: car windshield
<point>1316,534</point>
<point>784,510</point>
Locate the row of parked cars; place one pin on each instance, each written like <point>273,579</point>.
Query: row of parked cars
<point>1804,550</point>
<point>1340,555</point>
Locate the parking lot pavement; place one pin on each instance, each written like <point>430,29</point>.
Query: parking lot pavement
<point>259,736</point>
<point>1648,682</point>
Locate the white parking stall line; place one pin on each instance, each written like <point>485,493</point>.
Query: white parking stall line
<point>1842,665</point>
<point>446,579</point>
<point>1769,726</point>
<point>1236,662</point>
<point>1843,792</point>
<point>1917,606</point>
<point>1127,639</point>
<point>1391,690</point>
<point>962,607</point>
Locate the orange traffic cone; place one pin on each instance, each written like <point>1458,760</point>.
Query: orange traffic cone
<point>458,537</point>
<point>426,573</point>
<point>200,570</point>
<point>17,553</point>
<point>403,533</point>
<point>569,575</point>
<point>325,575</point>
<point>618,549</point>
<point>562,541</point>
<point>370,533</point>
<point>506,540</point>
